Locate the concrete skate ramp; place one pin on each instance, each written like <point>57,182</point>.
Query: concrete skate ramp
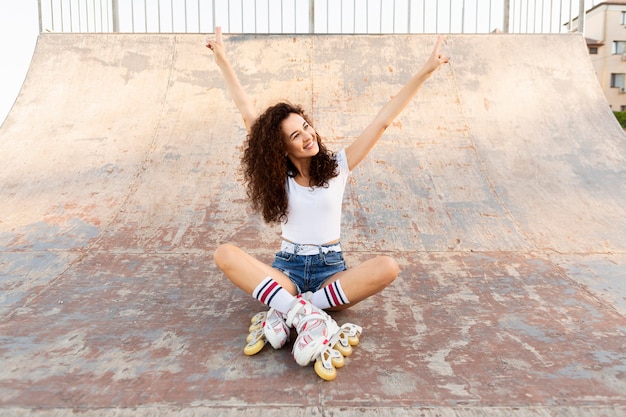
<point>501,191</point>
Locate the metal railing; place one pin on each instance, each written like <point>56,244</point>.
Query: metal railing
<point>313,16</point>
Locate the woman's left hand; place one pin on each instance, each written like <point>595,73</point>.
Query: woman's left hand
<point>436,57</point>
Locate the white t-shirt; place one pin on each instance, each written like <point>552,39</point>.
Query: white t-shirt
<point>314,213</point>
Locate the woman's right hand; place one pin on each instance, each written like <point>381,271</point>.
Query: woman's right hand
<point>239,96</point>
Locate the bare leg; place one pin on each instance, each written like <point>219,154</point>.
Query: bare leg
<point>247,272</point>
<point>366,279</point>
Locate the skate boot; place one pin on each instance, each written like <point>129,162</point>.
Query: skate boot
<point>266,327</point>
<point>320,339</point>
<point>350,335</point>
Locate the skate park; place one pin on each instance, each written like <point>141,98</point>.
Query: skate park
<point>499,190</point>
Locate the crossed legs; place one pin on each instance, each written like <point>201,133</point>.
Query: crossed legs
<point>358,283</point>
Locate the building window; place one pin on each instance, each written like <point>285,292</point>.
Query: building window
<point>593,50</point>
<point>622,108</point>
<point>618,47</point>
<point>623,18</point>
<point>617,80</point>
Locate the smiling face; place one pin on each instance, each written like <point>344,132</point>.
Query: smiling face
<point>300,137</point>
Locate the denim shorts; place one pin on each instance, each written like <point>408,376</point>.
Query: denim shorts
<point>309,272</point>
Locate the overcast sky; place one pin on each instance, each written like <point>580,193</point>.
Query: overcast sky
<point>19,27</point>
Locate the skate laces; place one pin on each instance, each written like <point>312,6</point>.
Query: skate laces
<point>315,329</point>
<point>274,318</point>
<point>303,312</point>
<point>275,329</point>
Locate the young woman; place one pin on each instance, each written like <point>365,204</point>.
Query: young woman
<point>292,178</point>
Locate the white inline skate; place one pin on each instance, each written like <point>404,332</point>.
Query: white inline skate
<point>267,326</point>
<point>320,339</point>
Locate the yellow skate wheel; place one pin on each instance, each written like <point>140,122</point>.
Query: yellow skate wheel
<point>353,340</point>
<point>258,317</point>
<point>255,326</point>
<point>338,362</point>
<point>324,373</point>
<point>336,358</point>
<point>254,348</point>
<point>344,350</point>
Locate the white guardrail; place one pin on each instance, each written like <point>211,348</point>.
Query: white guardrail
<point>313,16</point>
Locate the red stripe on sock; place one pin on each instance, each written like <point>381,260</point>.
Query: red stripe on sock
<point>268,292</point>
<point>331,289</point>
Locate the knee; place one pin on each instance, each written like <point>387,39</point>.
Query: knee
<point>390,269</point>
<point>225,255</point>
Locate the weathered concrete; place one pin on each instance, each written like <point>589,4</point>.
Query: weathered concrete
<point>500,190</point>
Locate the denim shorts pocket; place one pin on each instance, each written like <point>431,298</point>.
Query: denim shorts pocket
<point>333,258</point>
<point>284,256</point>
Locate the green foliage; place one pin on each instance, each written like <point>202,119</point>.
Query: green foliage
<point>621,118</point>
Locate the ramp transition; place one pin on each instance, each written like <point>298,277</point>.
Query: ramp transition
<point>500,190</point>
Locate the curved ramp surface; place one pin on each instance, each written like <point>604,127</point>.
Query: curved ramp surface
<point>500,191</point>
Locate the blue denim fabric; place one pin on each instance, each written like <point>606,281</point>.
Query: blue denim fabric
<point>309,272</point>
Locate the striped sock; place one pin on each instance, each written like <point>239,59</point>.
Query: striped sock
<point>272,294</point>
<point>329,296</point>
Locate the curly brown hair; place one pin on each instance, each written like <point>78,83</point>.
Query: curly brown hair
<point>265,167</point>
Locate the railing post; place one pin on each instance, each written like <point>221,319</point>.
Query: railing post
<point>507,16</point>
<point>115,12</point>
<point>581,17</point>
<point>312,16</point>
<point>40,22</point>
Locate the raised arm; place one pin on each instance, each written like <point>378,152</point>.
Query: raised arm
<point>241,99</point>
<point>362,145</point>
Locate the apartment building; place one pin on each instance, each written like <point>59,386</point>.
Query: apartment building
<point>605,32</point>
